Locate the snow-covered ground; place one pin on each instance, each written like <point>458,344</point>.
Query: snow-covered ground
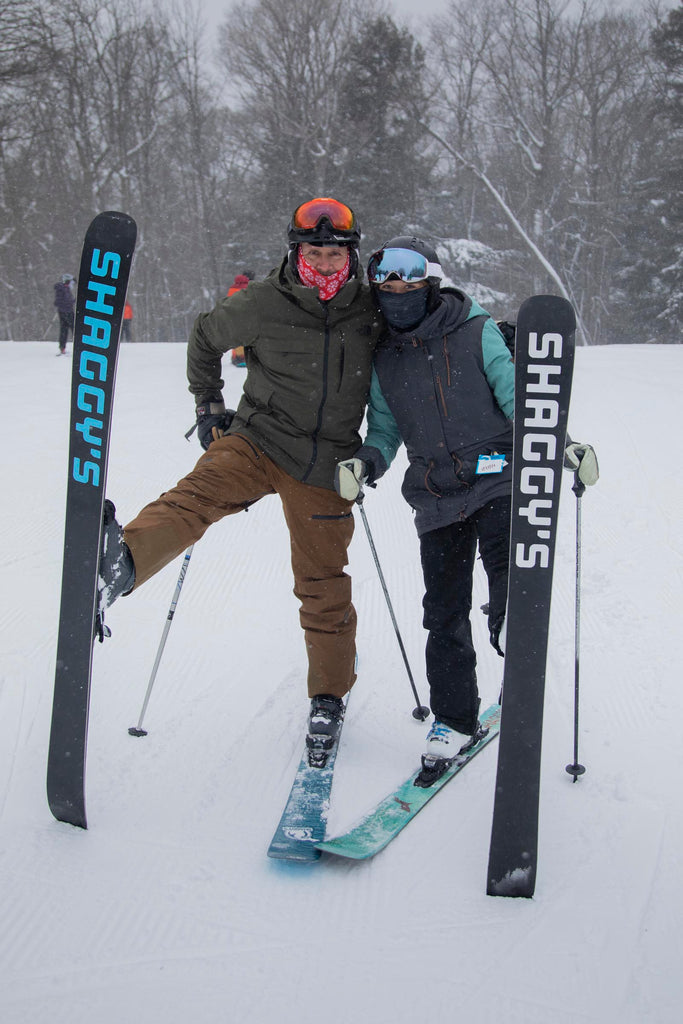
<point>167,909</point>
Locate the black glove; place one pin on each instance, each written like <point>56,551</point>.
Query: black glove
<point>213,420</point>
<point>375,463</point>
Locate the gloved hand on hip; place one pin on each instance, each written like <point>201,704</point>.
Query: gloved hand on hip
<point>213,420</point>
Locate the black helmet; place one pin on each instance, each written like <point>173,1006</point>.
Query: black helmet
<point>324,221</point>
<point>414,243</point>
<point>430,271</point>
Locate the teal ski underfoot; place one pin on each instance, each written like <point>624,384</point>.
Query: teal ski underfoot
<point>302,825</point>
<point>382,824</point>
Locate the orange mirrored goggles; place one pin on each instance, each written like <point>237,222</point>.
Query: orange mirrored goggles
<point>308,215</point>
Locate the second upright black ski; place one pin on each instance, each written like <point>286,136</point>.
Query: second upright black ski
<point>544,360</point>
<point>102,282</point>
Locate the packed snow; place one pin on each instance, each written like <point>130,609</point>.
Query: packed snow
<point>168,910</point>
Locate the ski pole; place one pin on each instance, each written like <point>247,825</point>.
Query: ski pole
<point>577,769</point>
<point>137,730</point>
<point>420,712</point>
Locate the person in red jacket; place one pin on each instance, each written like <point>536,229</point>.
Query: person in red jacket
<point>126,333</point>
<point>239,284</point>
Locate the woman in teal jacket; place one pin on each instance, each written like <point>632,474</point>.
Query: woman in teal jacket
<point>443,384</point>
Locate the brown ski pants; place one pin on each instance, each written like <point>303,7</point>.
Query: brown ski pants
<point>231,475</point>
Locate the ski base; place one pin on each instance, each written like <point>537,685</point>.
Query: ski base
<point>385,822</point>
<point>302,825</point>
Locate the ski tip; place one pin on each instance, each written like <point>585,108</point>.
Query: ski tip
<point>68,814</point>
<point>550,305</point>
<point>518,882</point>
<point>109,215</point>
<point>338,849</point>
<point>305,853</point>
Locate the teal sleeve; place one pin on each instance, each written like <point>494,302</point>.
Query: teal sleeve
<point>498,367</point>
<point>383,432</point>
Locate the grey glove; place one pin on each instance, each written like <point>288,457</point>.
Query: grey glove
<point>349,477</point>
<point>581,458</point>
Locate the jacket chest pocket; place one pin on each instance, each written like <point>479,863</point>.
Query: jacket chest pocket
<point>295,358</point>
<point>351,364</point>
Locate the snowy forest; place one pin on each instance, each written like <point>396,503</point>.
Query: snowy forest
<point>538,144</point>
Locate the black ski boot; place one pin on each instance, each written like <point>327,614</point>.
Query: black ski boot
<point>117,570</point>
<point>324,725</point>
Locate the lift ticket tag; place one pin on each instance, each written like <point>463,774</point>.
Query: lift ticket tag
<point>490,464</point>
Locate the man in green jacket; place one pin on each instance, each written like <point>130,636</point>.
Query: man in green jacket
<point>309,331</point>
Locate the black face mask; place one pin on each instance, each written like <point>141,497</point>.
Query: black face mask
<point>403,310</point>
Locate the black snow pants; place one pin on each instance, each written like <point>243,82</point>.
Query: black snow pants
<point>66,326</point>
<point>448,556</point>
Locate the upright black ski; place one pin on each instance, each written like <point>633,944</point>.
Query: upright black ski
<point>102,282</point>
<point>544,360</point>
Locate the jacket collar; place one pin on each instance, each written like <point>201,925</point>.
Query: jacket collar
<point>286,281</point>
<point>453,310</point>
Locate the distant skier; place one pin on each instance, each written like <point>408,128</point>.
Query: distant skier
<point>127,325</point>
<point>444,385</point>
<point>65,301</point>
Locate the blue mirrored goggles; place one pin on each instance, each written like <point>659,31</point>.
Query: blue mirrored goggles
<point>405,264</point>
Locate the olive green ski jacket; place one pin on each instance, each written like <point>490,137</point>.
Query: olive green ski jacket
<point>309,366</point>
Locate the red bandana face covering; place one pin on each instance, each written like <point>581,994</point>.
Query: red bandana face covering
<point>327,286</point>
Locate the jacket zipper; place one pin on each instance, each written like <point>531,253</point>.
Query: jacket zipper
<point>448,360</point>
<point>323,399</point>
<point>441,394</point>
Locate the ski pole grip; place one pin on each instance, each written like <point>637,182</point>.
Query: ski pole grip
<point>578,486</point>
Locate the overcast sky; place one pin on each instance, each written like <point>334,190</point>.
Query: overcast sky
<point>410,10</point>
<point>215,8</point>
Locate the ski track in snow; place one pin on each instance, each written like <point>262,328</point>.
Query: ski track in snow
<point>167,908</point>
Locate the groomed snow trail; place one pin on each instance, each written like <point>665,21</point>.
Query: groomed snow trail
<point>168,910</point>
